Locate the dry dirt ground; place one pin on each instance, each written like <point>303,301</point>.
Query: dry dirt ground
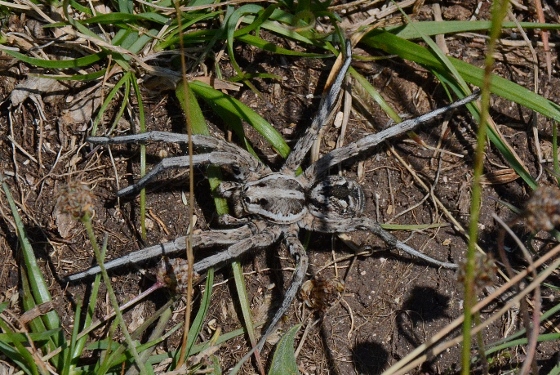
<point>391,303</point>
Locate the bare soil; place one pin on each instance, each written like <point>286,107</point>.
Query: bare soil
<point>391,303</point>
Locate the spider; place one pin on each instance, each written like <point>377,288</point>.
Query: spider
<point>271,206</point>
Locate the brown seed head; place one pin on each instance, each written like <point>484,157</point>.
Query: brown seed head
<point>542,211</point>
<point>173,273</point>
<point>75,199</point>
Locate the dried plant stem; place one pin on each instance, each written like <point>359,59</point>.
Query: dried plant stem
<point>475,330</point>
<point>532,329</point>
<point>499,12</point>
<point>189,247</point>
<point>86,220</point>
<point>413,359</point>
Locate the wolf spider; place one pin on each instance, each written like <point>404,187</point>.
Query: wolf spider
<point>269,206</point>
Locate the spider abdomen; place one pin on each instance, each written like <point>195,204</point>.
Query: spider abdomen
<point>336,197</point>
<point>276,197</point>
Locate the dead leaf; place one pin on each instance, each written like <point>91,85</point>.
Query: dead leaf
<point>501,176</point>
<point>83,108</point>
<point>36,86</point>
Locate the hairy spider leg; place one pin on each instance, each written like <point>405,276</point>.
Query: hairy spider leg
<point>260,240</point>
<point>302,263</point>
<point>367,224</point>
<point>249,167</point>
<point>215,237</point>
<point>337,156</point>
<point>214,158</point>
<point>301,148</point>
<point>168,137</point>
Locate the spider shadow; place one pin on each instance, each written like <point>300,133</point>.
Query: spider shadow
<point>423,306</point>
<point>369,358</point>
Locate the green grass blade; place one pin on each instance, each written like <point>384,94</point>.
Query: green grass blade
<point>495,138</point>
<point>189,37</point>
<point>156,336</point>
<point>290,25</point>
<point>12,337</point>
<point>551,313</point>
<point>39,288</point>
<point>233,122</point>
<point>80,8</point>
<point>118,57</point>
<point>442,57</point>
<point>555,370</point>
<point>142,40</point>
<point>125,80</point>
<point>157,358</point>
<point>142,123</point>
<point>499,11</point>
<point>80,62</point>
<point>68,353</point>
<point>244,300</point>
<point>194,114</point>
<point>28,302</point>
<point>131,344</point>
<point>235,108</point>
<point>197,348</point>
<point>189,103</point>
<point>432,28</point>
<point>472,74</point>
<point>121,19</point>
<point>125,38</point>
<point>284,360</point>
<point>263,15</point>
<point>268,46</point>
<point>543,337</point>
<point>500,86</point>
<point>198,322</point>
<point>555,163</point>
<point>21,357</point>
<point>118,358</point>
<point>230,24</point>
<point>80,342</point>
<point>372,91</point>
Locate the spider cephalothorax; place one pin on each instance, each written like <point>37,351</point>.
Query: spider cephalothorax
<point>284,199</point>
<point>276,197</point>
<point>272,206</point>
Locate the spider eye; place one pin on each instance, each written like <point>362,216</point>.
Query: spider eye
<point>247,200</point>
<point>263,201</point>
